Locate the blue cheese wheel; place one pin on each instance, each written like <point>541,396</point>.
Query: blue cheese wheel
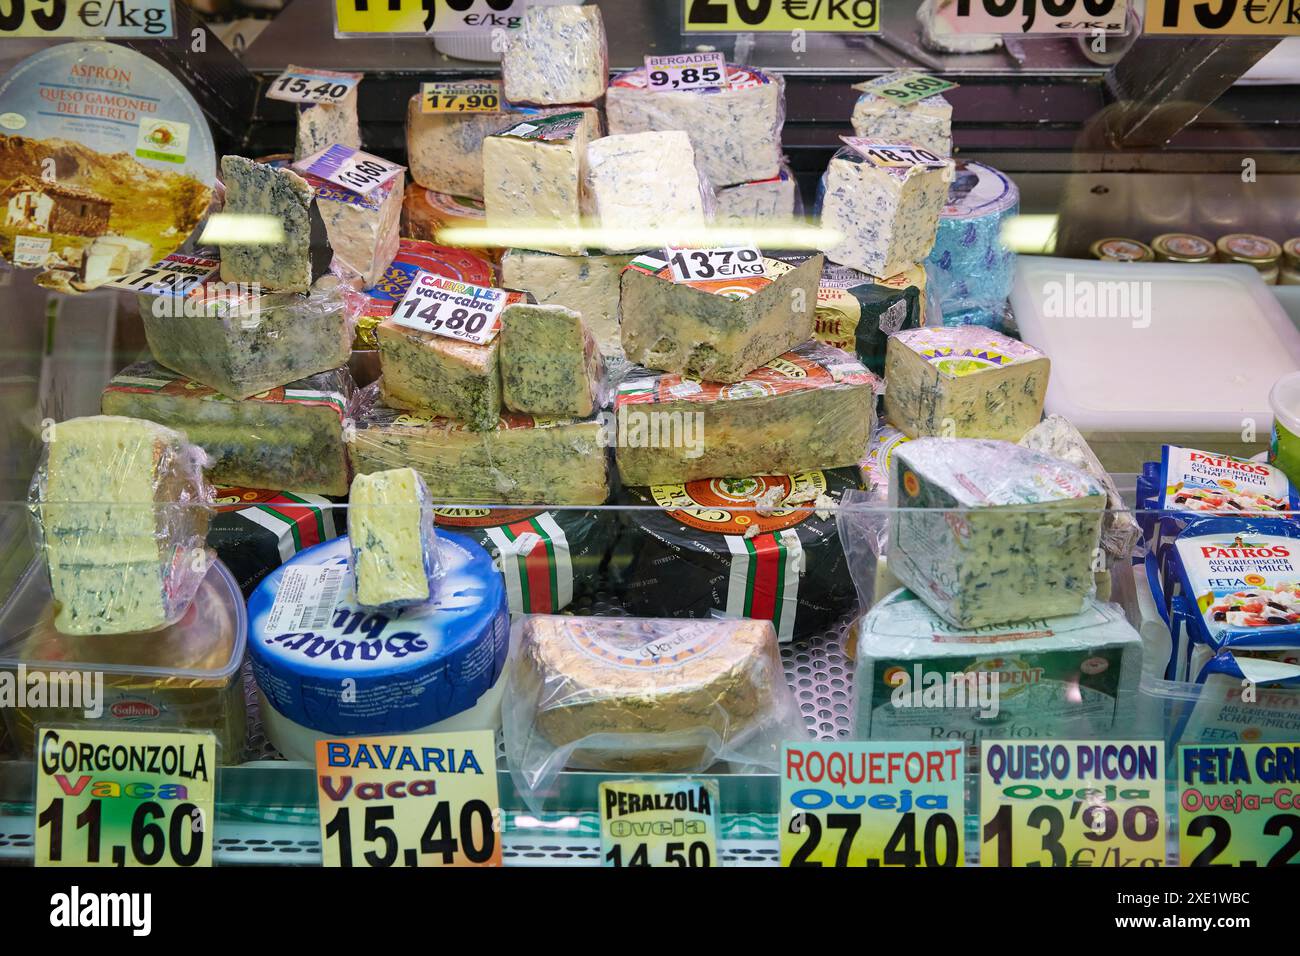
<point>410,669</point>
<point>687,550</point>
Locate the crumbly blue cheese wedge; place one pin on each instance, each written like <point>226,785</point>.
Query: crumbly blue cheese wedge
<point>587,284</point>
<point>645,185</point>
<point>558,55</point>
<point>394,545</point>
<point>532,178</point>
<point>550,364</point>
<point>256,189</point>
<point>327,124</point>
<point>926,123</point>
<point>363,230</point>
<point>426,372</point>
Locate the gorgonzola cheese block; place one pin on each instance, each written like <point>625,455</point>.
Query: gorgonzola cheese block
<point>963,381</point>
<point>241,345</point>
<point>257,189</point>
<point>394,545</point>
<point>736,129</point>
<point>550,364</point>
<point>286,437</point>
<point>886,216</point>
<point>645,185</point>
<point>587,284</point>
<point>719,330</point>
<point>987,532</point>
<point>926,123</point>
<point>558,55</point>
<point>523,460</point>
<point>766,202</point>
<point>427,372</point>
<point>363,230</point>
<point>123,508</point>
<point>532,178</point>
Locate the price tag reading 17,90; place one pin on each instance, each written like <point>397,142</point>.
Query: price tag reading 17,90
<point>872,804</point>
<point>710,265</point>
<point>1239,805</point>
<point>124,798</point>
<point>461,96</point>
<point>659,822</point>
<point>908,88</point>
<point>452,308</point>
<point>311,86</point>
<point>426,800</point>
<point>1072,803</point>
<point>350,168</point>
<point>685,71</point>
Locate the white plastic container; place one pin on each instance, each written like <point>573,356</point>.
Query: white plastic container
<point>1164,353</point>
<point>478,46</point>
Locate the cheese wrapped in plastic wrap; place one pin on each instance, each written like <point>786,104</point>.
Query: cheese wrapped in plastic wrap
<point>121,510</point>
<point>394,547</point>
<point>636,695</point>
<point>557,56</point>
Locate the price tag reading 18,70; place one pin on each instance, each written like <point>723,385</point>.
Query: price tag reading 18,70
<point>872,804</point>
<point>124,797</point>
<point>1239,805</point>
<point>685,71</point>
<point>898,155</point>
<point>350,168</point>
<point>1072,803</point>
<point>311,86</point>
<point>426,800</point>
<point>461,96</point>
<point>452,308</point>
<point>711,265</point>
<point>659,823</point>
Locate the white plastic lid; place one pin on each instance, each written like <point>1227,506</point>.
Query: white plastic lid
<point>1285,400</point>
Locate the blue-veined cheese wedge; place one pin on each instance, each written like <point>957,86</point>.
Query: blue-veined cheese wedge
<point>411,669</point>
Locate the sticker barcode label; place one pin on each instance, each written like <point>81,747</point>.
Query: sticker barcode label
<point>305,599</point>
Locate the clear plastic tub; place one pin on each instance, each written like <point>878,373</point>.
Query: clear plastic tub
<point>185,676</point>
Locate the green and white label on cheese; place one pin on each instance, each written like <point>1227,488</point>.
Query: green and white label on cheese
<point>730,262</point>
<point>671,822</point>
<point>894,155</point>
<point>908,88</point>
<point>461,96</point>
<point>685,71</point>
<point>312,86</point>
<point>1239,805</point>
<point>451,308</point>
<point>548,129</point>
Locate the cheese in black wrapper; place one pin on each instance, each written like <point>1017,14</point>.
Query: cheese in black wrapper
<point>254,531</point>
<point>857,312</point>
<point>701,559</point>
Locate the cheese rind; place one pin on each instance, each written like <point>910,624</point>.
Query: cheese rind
<point>532,177</point>
<point>987,532</point>
<point>257,189</point>
<point>363,230</point>
<point>550,364</point>
<point>558,55</point>
<point>287,437</point>
<point>121,508</point>
<point>736,130</point>
<point>645,185</point>
<point>886,217</point>
<point>394,545</point>
<point>587,284</point>
<point>427,372</point>
<point>254,342</point>
<point>810,409</point>
<point>444,151</point>
<point>963,382</point>
<point>926,123</point>
<point>719,330</point>
<point>524,460</point>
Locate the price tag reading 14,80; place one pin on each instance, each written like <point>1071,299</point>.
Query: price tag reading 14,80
<point>451,308</point>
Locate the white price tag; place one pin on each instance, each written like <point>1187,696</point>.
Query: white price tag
<point>310,86</point>
<point>730,262</point>
<point>176,275</point>
<point>474,16</point>
<point>306,599</point>
<point>350,168</point>
<point>685,71</point>
<point>895,155</point>
<point>451,308</point>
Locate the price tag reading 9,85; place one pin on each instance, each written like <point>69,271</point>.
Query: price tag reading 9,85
<point>659,823</point>
<point>710,265</point>
<point>304,86</point>
<point>452,308</point>
<point>1072,803</point>
<point>1239,805</point>
<point>124,797</point>
<point>872,804</point>
<point>685,71</point>
<point>426,800</point>
<point>461,96</point>
<point>350,168</point>
<point>909,88</point>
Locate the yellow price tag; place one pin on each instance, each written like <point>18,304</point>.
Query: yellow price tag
<point>1239,805</point>
<point>461,96</point>
<point>781,16</point>
<point>67,19</point>
<point>396,17</point>
<point>1273,18</point>
<point>124,797</point>
<point>870,804</point>
<point>659,823</point>
<point>1072,803</point>
<point>425,800</point>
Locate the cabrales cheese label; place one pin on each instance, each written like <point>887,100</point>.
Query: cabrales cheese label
<point>453,309</point>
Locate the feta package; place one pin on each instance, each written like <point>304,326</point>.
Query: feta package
<point>1243,700</point>
<point>557,56</point>
<point>394,554</point>
<point>920,678</point>
<point>987,532</point>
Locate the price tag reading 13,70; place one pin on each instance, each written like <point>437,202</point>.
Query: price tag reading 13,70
<point>426,800</point>
<point>452,308</point>
<point>710,265</point>
<point>659,823</point>
<point>124,798</point>
<point>1072,803</point>
<point>1239,805</point>
<point>872,804</point>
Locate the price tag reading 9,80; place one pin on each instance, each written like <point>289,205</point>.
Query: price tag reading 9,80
<point>911,87</point>
<point>685,71</point>
<point>452,308</point>
<point>463,96</point>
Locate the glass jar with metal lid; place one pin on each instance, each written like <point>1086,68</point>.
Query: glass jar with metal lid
<point>1120,249</point>
<point>1258,251</point>
<point>1182,247</point>
<point>1290,262</point>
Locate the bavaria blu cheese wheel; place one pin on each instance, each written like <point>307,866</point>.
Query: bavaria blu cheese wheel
<point>412,669</point>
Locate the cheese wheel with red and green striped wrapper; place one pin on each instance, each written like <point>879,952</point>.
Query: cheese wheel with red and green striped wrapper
<point>255,531</point>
